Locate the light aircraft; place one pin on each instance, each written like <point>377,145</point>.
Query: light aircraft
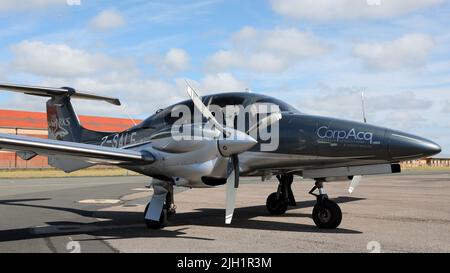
<point>312,147</point>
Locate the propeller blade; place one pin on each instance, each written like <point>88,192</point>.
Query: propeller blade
<point>355,182</point>
<point>235,161</point>
<point>232,186</point>
<point>204,109</point>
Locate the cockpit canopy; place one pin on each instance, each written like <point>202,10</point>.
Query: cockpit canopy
<point>164,116</point>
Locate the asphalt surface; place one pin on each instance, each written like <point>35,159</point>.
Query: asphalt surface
<point>398,213</point>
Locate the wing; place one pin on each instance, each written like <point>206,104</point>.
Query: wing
<point>86,152</point>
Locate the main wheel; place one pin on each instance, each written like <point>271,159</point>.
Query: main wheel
<point>155,224</point>
<point>276,206</point>
<point>327,214</point>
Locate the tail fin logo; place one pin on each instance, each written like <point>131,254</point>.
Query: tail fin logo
<point>57,127</point>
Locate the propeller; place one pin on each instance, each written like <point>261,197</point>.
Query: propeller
<point>234,143</point>
<point>232,187</point>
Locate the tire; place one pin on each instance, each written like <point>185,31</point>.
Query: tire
<point>155,224</point>
<point>275,206</point>
<point>327,214</point>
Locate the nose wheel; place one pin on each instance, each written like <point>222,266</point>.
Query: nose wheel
<point>326,213</point>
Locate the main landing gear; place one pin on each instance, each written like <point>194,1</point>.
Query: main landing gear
<point>278,202</point>
<point>161,206</point>
<point>326,213</point>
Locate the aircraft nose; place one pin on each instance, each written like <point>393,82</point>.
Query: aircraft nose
<point>404,146</point>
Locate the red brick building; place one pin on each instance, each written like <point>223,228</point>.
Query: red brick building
<point>35,124</point>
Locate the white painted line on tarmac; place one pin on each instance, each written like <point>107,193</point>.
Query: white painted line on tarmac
<point>142,189</point>
<point>100,201</point>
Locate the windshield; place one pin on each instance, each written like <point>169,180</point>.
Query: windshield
<point>284,107</point>
<point>164,116</point>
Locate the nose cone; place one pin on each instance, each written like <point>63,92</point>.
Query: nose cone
<point>404,146</point>
<point>236,143</point>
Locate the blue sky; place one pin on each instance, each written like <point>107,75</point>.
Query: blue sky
<point>317,55</point>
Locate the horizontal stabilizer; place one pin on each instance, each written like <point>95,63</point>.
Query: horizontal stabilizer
<point>26,155</point>
<point>54,92</point>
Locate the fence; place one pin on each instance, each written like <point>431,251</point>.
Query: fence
<point>10,161</point>
<point>427,162</point>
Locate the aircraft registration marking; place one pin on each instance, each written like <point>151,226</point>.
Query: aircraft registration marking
<point>119,140</point>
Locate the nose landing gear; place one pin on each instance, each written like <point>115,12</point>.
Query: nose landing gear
<point>326,213</point>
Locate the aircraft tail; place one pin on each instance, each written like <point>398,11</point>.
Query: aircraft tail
<point>63,123</point>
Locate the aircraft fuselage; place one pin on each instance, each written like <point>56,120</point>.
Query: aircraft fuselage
<point>304,142</point>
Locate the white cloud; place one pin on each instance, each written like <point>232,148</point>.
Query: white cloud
<point>326,10</point>
<point>60,60</point>
<point>265,62</point>
<point>60,65</point>
<point>404,120</point>
<point>293,43</point>
<point>408,51</point>
<point>143,96</point>
<point>107,20</point>
<point>3,71</point>
<point>446,108</point>
<point>221,82</point>
<point>342,102</point>
<point>173,61</point>
<point>246,33</point>
<point>177,59</point>
<point>411,111</point>
<point>12,5</point>
<point>267,51</point>
<point>140,95</point>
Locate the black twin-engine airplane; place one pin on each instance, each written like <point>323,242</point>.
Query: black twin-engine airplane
<point>320,148</point>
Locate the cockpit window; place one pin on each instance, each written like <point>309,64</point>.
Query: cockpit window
<point>284,107</point>
<point>224,101</point>
<point>164,117</point>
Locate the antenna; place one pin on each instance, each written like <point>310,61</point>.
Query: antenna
<point>124,109</point>
<point>363,104</point>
